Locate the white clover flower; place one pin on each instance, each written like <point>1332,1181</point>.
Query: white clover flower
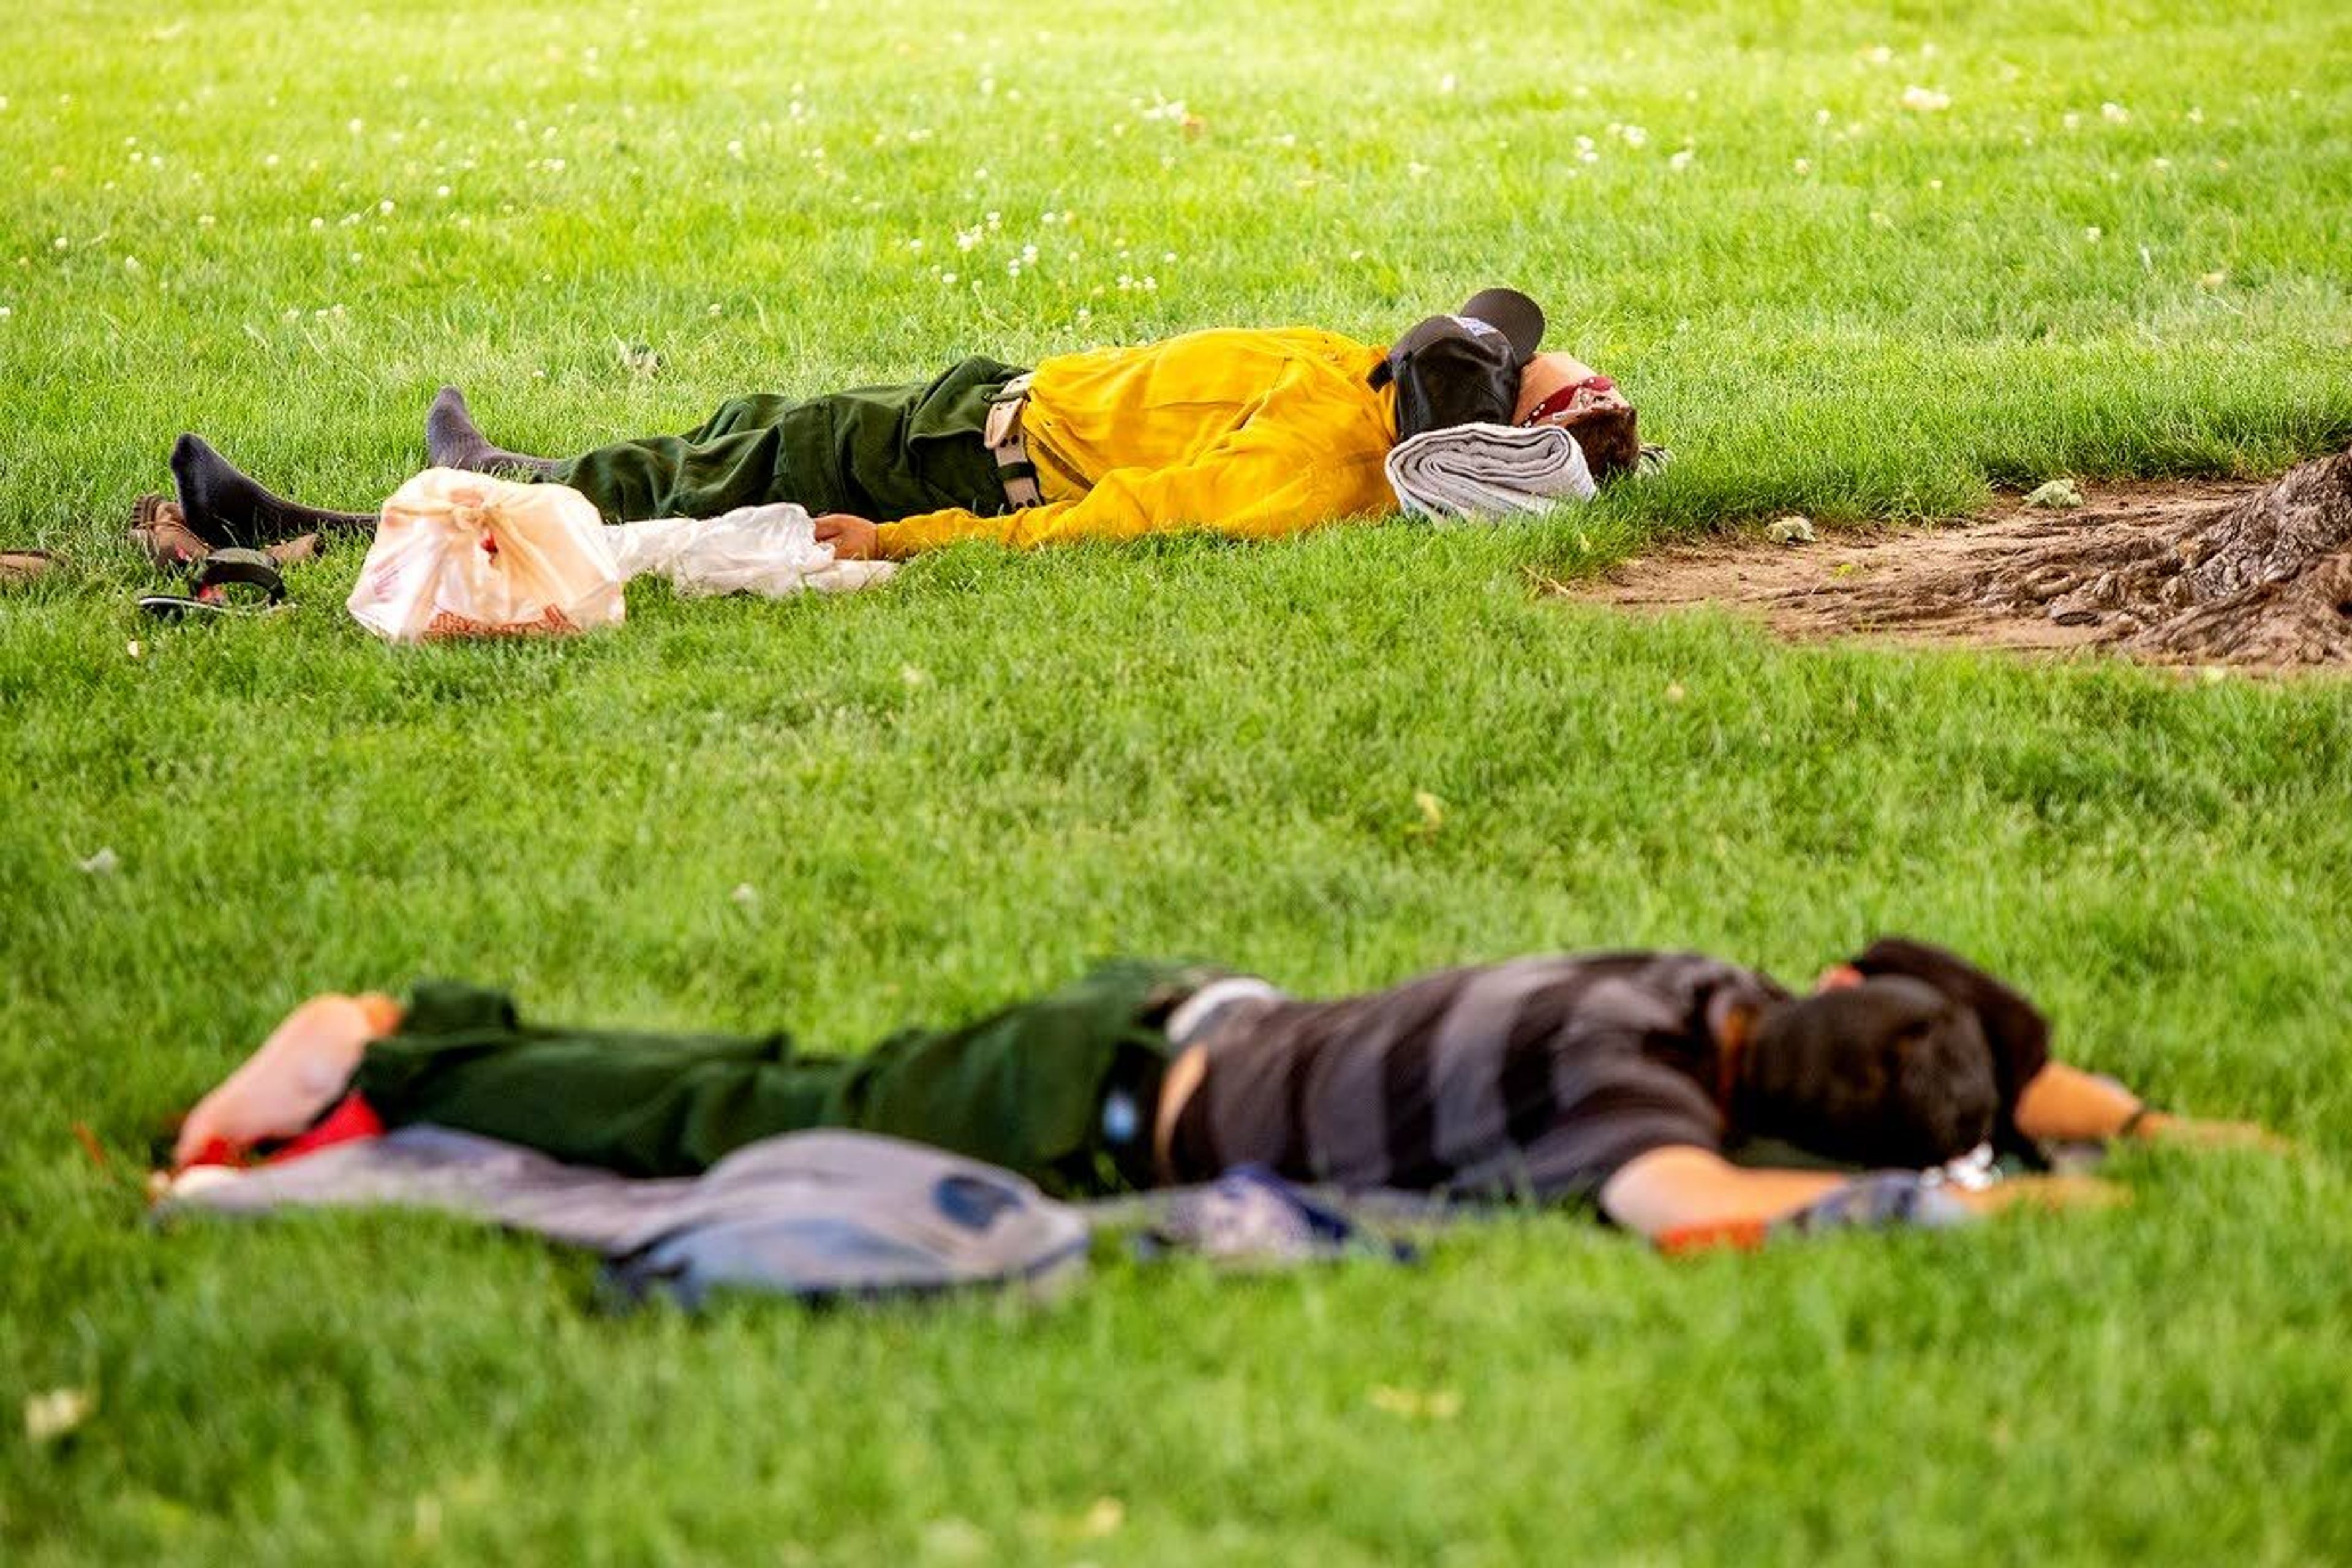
<point>2092,234</point>
<point>717,310</point>
<point>356,126</point>
<point>947,276</point>
<point>1926,101</point>
<point>735,150</point>
<point>60,243</point>
<point>1880,55</point>
<point>1416,169</point>
<point>1804,165</point>
<point>130,264</point>
<point>1821,117</point>
<point>1635,135</point>
<point>1681,160</point>
<point>204,220</point>
<point>6,310</point>
<point>2196,117</point>
<point>1935,184</point>
<point>383,207</point>
<point>2114,113</point>
<point>442,192</point>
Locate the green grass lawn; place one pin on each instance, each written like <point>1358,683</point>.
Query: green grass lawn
<point>2118,250</point>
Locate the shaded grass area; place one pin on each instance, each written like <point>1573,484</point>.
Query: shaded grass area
<point>843,815</point>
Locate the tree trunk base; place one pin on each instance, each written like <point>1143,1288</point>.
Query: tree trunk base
<point>2266,580</point>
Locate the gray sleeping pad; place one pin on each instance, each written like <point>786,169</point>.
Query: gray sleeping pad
<point>806,1213</point>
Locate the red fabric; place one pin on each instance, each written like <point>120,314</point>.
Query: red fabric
<point>352,1119</point>
<point>1715,1236</point>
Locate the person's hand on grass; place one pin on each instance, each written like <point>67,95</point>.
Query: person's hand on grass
<point>2188,1133</point>
<point>852,537</point>
<point>2048,1193</point>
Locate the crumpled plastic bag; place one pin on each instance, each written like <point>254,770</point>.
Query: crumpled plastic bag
<point>459,554</point>
<point>769,550</point>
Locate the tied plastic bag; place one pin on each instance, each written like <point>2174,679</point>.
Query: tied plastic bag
<point>767,550</point>
<point>461,555</point>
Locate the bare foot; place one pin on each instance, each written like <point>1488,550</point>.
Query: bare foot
<point>301,1069</point>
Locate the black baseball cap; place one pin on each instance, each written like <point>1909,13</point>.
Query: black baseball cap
<point>1502,317</point>
<point>1517,317</point>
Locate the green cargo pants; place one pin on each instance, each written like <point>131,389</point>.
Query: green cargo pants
<point>1023,1088</point>
<point>879,452</point>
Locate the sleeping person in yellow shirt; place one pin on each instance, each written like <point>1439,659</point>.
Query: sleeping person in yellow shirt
<point>1252,433</point>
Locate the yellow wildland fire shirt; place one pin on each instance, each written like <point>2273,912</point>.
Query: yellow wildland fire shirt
<point>1245,432</point>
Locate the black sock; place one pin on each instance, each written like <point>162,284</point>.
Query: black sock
<point>452,440</point>
<point>224,506</point>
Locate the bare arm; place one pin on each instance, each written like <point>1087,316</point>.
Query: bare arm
<point>2065,1104</point>
<point>1692,1189</point>
<point>1688,1198</point>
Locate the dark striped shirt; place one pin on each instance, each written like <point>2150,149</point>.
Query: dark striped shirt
<point>1540,1076</point>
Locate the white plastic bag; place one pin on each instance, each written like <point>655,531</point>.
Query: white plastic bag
<point>461,555</point>
<point>770,550</point>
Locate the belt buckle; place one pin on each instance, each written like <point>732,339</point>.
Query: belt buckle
<point>1003,426</point>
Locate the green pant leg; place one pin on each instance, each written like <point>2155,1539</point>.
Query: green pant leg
<point>753,451</point>
<point>877,452</point>
<point>1025,1087</point>
<point>646,1105</point>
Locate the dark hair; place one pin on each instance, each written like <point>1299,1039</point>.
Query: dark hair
<point>1888,1073</point>
<point>1606,436</point>
<point>2013,1027</point>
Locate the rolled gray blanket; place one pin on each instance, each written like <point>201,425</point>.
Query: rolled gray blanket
<point>1488,470</point>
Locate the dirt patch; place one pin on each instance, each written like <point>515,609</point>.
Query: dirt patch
<point>2203,573</point>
